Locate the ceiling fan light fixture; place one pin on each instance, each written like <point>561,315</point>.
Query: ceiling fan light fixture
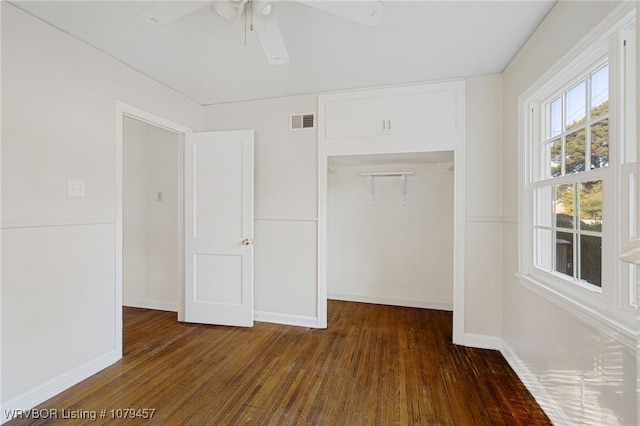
<point>260,16</point>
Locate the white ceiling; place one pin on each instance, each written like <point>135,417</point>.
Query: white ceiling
<point>205,58</point>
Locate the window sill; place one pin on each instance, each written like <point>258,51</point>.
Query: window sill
<point>610,327</point>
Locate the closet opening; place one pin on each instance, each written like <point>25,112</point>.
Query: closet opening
<point>146,169</point>
<point>390,229</point>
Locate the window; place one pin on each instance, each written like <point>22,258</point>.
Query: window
<point>578,162</point>
<point>568,194</point>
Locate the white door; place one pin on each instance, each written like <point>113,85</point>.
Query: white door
<point>219,228</point>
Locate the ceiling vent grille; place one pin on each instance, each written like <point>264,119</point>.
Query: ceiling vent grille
<point>302,121</point>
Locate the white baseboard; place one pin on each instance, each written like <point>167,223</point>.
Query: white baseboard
<point>286,319</point>
<point>482,341</point>
<point>150,304</point>
<point>409,303</point>
<point>51,388</point>
<point>551,408</point>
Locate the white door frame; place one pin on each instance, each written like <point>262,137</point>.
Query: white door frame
<point>459,223</point>
<point>126,110</point>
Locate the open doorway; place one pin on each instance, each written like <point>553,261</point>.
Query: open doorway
<point>125,112</point>
<point>151,216</point>
<point>390,220</point>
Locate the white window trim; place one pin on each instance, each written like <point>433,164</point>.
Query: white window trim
<point>576,300</point>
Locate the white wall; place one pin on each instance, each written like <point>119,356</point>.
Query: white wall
<point>285,287</point>
<point>151,228</point>
<point>589,375</point>
<point>483,202</point>
<point>391,249</point>
<point>58,278</point>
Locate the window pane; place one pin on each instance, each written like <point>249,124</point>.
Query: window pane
<point>600,92</point>
<point>555,117</point>
<point>564,206</point>
<point>564,253</point>
<point>543,252</point>
<point>600,144</point>
<point>576,109</point>
<point>591,259</point>
<point>591,205</point>
<point>543,207</point>
<point>556,157</point>
<point>574,152</point>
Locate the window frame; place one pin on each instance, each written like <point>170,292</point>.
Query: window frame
<point>540,179</point>
<point>607,307</point>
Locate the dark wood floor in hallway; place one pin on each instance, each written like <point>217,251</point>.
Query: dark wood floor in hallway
<point>374,365</point>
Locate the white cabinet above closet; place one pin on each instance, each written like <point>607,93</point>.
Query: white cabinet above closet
<point>392,115</point>
<point>405,114</point>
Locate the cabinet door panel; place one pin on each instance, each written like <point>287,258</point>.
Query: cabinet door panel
<point>431,112</point>
<point>355,118</point>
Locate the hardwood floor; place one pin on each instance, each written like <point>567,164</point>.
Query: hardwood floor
<point>375,364</point>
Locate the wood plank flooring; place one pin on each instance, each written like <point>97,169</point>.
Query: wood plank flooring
<point>374,365</point>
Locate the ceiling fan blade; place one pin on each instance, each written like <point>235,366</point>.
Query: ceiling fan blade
<point>363,12</point>
<point>168,11</point>
<point>228,10</point>
<point>272,43</point>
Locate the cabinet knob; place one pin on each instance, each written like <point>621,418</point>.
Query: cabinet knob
<point>246,242</point>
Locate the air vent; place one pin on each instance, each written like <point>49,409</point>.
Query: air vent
<point>302,121</point>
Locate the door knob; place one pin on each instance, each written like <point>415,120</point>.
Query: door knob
<point>246,242</point>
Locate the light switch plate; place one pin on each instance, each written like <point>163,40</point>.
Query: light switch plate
<point>75,188</point>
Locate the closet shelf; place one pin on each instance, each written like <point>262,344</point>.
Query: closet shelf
<point>375,174</point>
<point>372,175</point>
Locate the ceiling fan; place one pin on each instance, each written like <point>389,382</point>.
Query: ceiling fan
<point>262,14</point>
